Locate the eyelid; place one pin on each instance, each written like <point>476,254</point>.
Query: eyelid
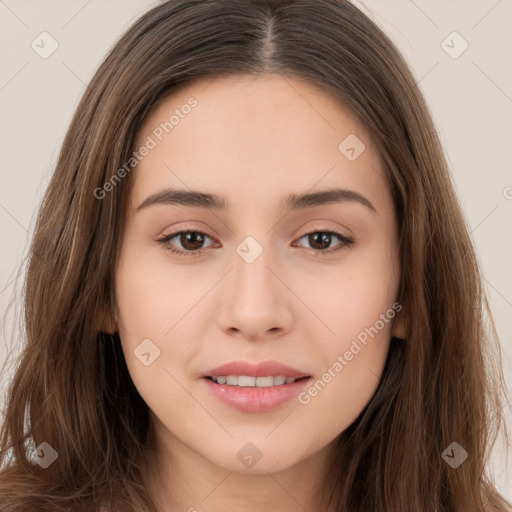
<point>346,241</point>
<point>166,238</point>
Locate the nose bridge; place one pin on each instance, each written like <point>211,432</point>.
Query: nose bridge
<point>252,276</point>
<point>256,301</point>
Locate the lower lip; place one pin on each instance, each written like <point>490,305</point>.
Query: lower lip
<point>251,399</point>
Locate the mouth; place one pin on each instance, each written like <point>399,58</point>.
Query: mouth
<point>255,394</point>
<point>248,381</point>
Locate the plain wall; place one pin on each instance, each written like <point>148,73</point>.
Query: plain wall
<point>470,98</point>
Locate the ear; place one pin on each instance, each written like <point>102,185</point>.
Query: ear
<point>104,321</point>
<point>400,328</point>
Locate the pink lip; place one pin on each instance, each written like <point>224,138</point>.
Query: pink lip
<point>248,399</point>
<point>262,369</point>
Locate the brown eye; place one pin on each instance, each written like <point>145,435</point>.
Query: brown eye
<point>191,240</point>
<point>320,241</point>
<point>189,243</point>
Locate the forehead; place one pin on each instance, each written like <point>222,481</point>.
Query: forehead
<point>245,136</point>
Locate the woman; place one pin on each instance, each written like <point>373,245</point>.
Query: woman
<point>251,283</point>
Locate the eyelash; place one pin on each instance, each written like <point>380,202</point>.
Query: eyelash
<point>164,241</point>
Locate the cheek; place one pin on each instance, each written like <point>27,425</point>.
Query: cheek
<point>148,309</point>
<point>152,297</point>
<point>353,362</point>
<point>159,306</point>
<point>356,303</point>
<point>351,297</point>
<point>145,314</point>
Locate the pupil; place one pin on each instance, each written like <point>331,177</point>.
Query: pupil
<point>193,240</point>
<point>324,237</point>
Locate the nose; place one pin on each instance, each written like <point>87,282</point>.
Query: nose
<point>256,304</point>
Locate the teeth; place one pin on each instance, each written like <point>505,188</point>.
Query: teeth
<point>258,382</point>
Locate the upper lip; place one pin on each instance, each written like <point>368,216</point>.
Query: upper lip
<point>262,369</point>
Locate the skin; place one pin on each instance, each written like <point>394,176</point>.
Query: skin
<point>253,140</point>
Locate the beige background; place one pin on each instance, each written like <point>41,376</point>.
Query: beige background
<point>470,97</point>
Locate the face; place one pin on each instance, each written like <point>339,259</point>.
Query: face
<point>310,284</point>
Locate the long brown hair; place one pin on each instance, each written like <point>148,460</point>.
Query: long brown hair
<point>71,387</point>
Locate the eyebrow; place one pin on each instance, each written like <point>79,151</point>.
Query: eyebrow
<point>196,199</point>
